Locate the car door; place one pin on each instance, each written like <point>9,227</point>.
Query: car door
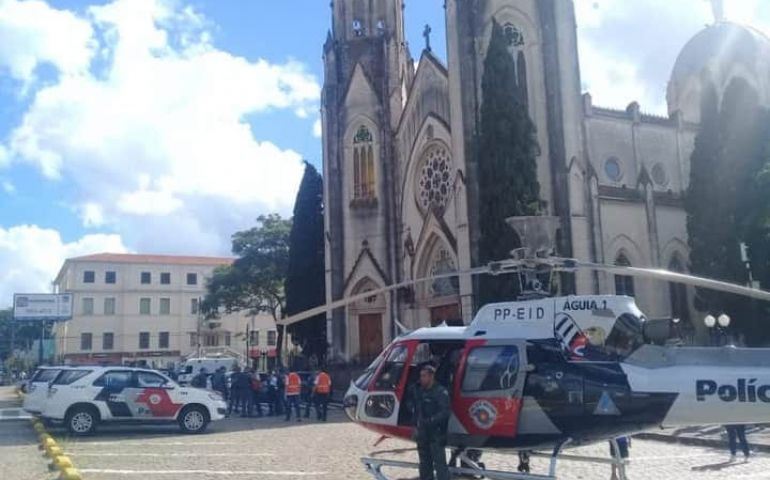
<point>152,397</point>
<point>109,393</point>
<point>487,399</point>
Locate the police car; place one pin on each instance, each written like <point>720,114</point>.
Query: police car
<point>82,398</point>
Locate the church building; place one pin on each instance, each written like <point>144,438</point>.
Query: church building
<point>400,172</point>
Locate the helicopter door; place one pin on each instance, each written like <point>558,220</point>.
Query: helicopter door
<point>487,398</point>
<point>381,402</point>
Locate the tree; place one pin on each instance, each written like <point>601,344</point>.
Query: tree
<point>305,281</point>
<point>507,153</point>
<point>726,203</point>
<point>24,334</point>
<point>254,283</point>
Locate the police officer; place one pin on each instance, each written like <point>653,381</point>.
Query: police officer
<point>431,405</point>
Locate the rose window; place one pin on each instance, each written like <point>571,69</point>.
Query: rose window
<point>435,179</point>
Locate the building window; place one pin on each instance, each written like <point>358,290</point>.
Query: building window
<point>145,278</point>
<point>108,341</point>
<point>271,338</point>
<point>435,180</point>
<point>144,340</point>
<point>192,279</point>
<point>110,277</point>
<point>165,306</point>
<point>86,340</point>
<point>194,306</point>
<point>613,169</point>
<point>165,278</point>
<point>254,337</point>
<point>88,306</point>
<point>89,276</point>
<point>109,306</point>
<point>624,284</point>
<point>228,340</point>
<point>211,340</point>
<point>163,340</point>
<point>144,306</point>
<point>363,165</point>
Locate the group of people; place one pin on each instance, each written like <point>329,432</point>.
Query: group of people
<point>247,391</point>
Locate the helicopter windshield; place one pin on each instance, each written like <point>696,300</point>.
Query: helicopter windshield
<point>626,336</point>
<point>363,380</point>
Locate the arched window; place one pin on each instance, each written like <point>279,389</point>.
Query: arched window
<point>435,179</point>
<point>363,165</point>
<point>624,284</point>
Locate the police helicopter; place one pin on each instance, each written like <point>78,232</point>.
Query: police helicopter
<point>547,373</point>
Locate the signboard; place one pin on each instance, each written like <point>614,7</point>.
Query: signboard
<point>42,306</point>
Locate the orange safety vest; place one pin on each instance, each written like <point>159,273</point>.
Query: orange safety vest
<point>293,384</point>
<point>323,383</point>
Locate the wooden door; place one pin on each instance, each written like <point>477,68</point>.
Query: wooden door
<point>446,313</point>
<point>370,335</point>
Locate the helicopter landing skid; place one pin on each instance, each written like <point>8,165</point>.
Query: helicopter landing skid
<point>474,469</point>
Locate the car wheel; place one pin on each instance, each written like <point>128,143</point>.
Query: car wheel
<point>82,421</point>
<point>194,419</point>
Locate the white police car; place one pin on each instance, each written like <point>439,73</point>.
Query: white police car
<point>83,397</point>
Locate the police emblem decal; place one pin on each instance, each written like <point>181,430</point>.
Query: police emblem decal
<point>483,414</point>
<point>155,399</point>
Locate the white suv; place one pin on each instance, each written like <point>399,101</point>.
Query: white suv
<point>84,397</point>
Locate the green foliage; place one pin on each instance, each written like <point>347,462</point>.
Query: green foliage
<point>507,151</point>
<point>24,334</point>
<point>305,282</point>
<point>727,203</point>
<point>254,283</point>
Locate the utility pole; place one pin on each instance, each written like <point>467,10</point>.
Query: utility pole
<point>198,322</point>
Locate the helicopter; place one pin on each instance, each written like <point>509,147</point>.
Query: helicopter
<point>547,373</point>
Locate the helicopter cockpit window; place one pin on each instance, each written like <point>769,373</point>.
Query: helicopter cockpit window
<point>391,371</point>
<point>626,336</point>
<point>491,369</point>
<point>363,380</point>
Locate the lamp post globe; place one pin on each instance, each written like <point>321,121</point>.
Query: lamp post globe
<point>710,321</point>
<point>724,320</point>
<point>676,320</point>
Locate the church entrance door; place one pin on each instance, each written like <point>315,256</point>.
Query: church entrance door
<point>369,335</point>
<point>446,313</point>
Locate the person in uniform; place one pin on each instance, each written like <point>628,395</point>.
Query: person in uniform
<point>431,405</point>
<point>323,389</point>
<point>293,391</point>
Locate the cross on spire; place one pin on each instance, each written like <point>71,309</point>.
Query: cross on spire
<point>426,34</point>
<point>718,7</point>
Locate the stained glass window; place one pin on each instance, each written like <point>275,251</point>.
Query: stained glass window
<point>363,164</point>
<point>441,263</point>
<point>435,179</point>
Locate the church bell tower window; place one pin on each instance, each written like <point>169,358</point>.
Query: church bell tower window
<point>363,164</point>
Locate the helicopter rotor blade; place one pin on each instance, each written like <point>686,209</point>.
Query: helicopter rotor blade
<point>667,276</point>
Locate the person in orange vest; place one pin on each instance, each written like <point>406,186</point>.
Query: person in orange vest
<point>322,390</point>
<point>293,391</point>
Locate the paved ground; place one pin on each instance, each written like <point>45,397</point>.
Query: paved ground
<point>271,449</point>
<point>19,456</point>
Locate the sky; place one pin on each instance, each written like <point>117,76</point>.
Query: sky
<point>163,126</point>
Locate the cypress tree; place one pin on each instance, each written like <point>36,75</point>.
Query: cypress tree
<point>507,151</point>
<point>305,280</point>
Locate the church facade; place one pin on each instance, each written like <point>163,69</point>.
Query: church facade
<point>400,171</point>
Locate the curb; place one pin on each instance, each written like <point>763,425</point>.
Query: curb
<point>59,461</point>
<point>698,442</point>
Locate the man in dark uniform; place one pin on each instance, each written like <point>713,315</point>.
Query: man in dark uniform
<point>431,413</point>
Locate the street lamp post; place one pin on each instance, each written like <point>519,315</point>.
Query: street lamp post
<point>717,327</point>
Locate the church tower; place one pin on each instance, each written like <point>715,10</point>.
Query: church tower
<point>542,40</point>
<point>367,71</point>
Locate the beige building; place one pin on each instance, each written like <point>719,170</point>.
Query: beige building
<point>145,308</point>
<point>399,137</point>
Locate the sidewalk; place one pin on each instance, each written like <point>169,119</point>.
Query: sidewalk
<point>19,456</point>
<point>710,436</point>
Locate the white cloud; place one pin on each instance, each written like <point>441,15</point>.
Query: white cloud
<point>31,257</point>
<point>32,33</point>
<point>159,127</point>
<point>317,129</point>
<point>8,187</point>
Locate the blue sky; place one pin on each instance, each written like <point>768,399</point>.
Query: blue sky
<point>163,126</point>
